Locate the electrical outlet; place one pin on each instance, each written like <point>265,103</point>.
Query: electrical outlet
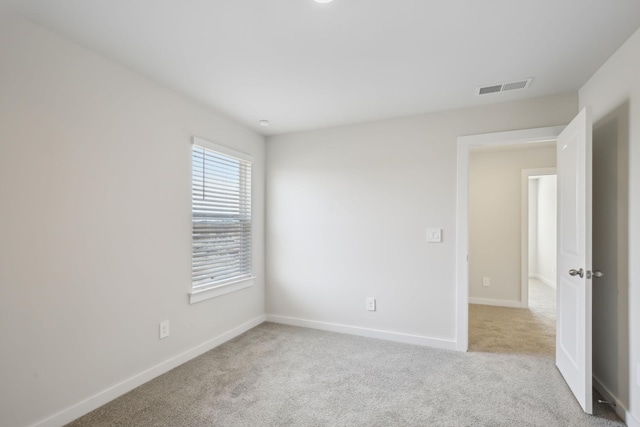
<point>371,304</point>
<point>486,282</point>
<point>164,329</point>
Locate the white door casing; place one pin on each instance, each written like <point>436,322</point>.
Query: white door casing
<point>573,305</point>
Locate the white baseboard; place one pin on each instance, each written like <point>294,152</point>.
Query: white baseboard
<point>630,420</point>
<point>496,302</point>
<point>81,408</point>
<point>364,332</point>
<point>620,409</point>
<point>544,280</point>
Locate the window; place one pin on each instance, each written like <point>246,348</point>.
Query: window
<point>221,220</point>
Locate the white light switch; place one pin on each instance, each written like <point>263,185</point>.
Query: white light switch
<point>434,235</point>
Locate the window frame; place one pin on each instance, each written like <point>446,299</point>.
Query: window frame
<point>202,293</point>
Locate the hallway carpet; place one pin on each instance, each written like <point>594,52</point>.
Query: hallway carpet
<point>516,330</point>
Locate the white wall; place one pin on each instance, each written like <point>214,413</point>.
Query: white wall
<point>495,219</point>
<point>95,225</point>
<point>614,94</point>
<point>546,229</point>
<point>347,212</point>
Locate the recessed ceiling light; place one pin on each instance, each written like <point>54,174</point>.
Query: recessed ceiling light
<point>323,1</point>
<point>264,122</point>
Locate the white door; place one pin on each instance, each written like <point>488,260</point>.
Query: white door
<point>573,327</point>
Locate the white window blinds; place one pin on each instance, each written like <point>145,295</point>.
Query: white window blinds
<point>221,217</point>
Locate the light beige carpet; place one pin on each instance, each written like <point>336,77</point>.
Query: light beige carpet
<point>516,330</point>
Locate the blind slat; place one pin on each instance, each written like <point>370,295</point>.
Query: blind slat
<point>216,251</point>
<point>218,270</point>
<point>215,262</point>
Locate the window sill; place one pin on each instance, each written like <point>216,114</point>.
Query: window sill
<point>203,294</point>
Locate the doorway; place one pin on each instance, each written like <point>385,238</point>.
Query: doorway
<point>500,319</point>
<point>538,237</point>
<point>465,145</point>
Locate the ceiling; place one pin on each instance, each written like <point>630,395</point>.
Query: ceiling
<point>304,65</point>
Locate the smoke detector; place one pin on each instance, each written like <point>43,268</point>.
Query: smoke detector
<point>504,87</point>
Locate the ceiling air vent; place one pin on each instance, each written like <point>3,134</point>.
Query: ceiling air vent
<point>489,89</point>
<point>504,87</point>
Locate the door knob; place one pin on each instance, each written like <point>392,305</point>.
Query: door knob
<point>573,272</point>
<point>594,273</point>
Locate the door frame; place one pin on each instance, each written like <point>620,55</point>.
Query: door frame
<point>524,229</point>
<point>465,144</point>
